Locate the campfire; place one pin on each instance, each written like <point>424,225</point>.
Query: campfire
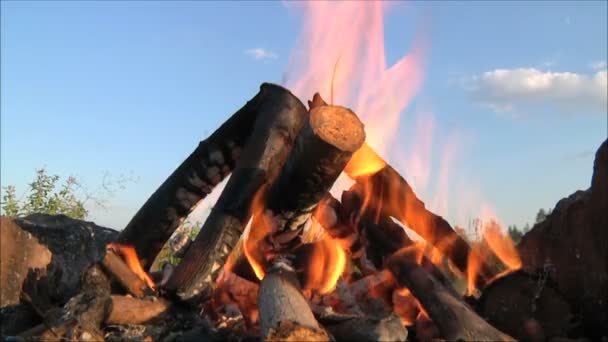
<point>282,257</point>
<point>279,258</point>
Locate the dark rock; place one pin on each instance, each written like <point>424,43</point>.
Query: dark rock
<point>571,247</point>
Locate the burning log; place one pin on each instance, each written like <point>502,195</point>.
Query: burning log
<point>321,151</point>
<point>115,266</point>
<point>387,189</point>
<point>280,116</point>
<point>212,161</point>
<point>455,319</point>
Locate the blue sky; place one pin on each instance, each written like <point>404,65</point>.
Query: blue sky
<point>130,88</point>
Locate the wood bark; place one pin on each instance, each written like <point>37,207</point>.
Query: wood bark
<point>284,313</point>
<point>455,319</point>
<point>212,161</point>
<point>390,191</point>
<point>280,116</point>
<point>116,267</point>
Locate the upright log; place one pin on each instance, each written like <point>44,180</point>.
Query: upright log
<point>321,151</point>
<point>385,187</point>
<point>280,116</point>
<point>211,161</point>
<point>455,319</point>
<point>284,313</point>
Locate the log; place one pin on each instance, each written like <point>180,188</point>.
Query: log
<point>455,319</point>
<point>212,161</point>
<point>284,313</point>
<point>117,268</point>
<point>518,301</point>
<point>321,151</point>
<point>385,187</point>
<point>280,117</point>
<point>128,310</point>
<point>365,328</point>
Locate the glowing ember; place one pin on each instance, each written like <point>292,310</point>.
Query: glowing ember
<point>129,255</point>
<point>406,306</point>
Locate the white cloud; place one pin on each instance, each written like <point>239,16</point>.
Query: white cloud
<point>259,53</point>
<point>506,89</point>
<point>598,65</point>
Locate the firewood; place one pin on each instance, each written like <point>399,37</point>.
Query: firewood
<point>391,192</point>
<point>212,161</point>
<point>365,328</point>
<point>321,151</point>
<point>455,319</point>
<point>116,267</point>
<point>284,313</point>
<point>280,116</point>
<point>526,306</point>
<point>129,310</point>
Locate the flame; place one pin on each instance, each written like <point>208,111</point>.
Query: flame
<point>129,255</point>
<point>502,246</point>
<point>326,264</point>
<point>258,229</point>
<point>341,55</point>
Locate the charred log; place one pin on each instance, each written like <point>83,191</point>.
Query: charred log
<point>212,161</point>
<point>455,319</point>
<point>527,307</point>
<point>280,115</point>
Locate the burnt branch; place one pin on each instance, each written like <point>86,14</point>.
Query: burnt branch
<point>280,115</point>
<point>455,319</point>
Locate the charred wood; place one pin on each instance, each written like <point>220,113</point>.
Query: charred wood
<point>364,328</point>
<point>528,307</point>
<point>455,319</point>
<point>280,115</point>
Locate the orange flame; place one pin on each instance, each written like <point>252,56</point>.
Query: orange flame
<point>258,229</point>
<point>502,246</point>
<point>325,266</point>
<point>129,255</point>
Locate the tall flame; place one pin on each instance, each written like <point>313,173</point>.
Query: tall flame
<point>341,55</point>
